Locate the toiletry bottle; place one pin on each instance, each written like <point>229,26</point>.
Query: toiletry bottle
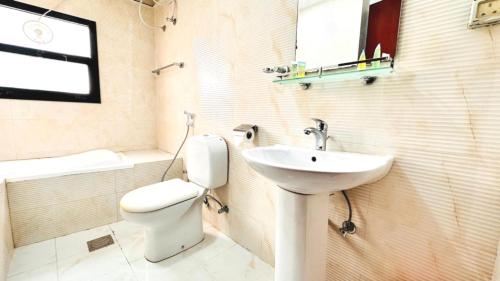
<point>301,69</point>
<point>362,57</point>
<point>376,55</point>
<point>294,69</point>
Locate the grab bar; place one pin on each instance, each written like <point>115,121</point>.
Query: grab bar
<point>158,70</point>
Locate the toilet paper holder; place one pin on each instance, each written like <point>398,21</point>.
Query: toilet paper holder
<point>248,129</point>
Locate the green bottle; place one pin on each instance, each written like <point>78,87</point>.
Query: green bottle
<point>376,55</point>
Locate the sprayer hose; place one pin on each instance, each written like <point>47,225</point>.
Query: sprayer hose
<point>176,154</point>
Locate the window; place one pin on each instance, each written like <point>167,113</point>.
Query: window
<point>64,67</point>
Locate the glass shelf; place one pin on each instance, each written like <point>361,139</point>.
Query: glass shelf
<point>340,75</point>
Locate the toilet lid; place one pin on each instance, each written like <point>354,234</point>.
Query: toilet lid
<point>158,196</point>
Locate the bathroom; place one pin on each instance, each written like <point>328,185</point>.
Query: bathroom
<point>224,83</point>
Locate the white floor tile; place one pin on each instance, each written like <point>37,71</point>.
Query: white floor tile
<point>123,229</point>
<point>177,268</point>
<point>76,244</point>
<point>131,239</point>
<point>44,273</point>
<point>107,264</point>
<point>214,243</point>
<point>216,258</point>
<point>32,257</point>
<point>237,264</point>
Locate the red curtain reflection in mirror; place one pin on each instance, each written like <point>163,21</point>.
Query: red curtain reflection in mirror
<point>383,27</point>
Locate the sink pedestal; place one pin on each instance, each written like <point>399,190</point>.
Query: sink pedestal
<point>301,236</point>
<point>302,220</point>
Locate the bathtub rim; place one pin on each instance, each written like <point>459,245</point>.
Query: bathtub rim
<point>124,163</point>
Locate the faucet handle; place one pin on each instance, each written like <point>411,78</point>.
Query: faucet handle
<point>320,124</point>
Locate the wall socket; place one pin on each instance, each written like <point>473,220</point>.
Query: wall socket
<point>484,13</point>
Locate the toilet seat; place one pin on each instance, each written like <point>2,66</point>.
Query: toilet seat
<point>159,196</point>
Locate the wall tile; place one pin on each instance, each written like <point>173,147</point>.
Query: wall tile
<point>436,215</point>
<point>6,243</point>
<point>39,224</point>
<point>149,173</point>
<point>496,274</point>
<point>119,196</point>
<point>124,179</point>
<point>38,193</point>
<point>7,141</point>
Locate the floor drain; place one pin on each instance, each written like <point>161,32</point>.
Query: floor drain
<point>100,243</point>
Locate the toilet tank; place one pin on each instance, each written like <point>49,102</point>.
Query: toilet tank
<point>207,161</point>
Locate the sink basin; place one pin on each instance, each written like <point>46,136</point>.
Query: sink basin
<point>306,178</point>
<point>308,171</point>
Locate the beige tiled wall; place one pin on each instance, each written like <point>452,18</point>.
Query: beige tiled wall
<point>6,243</point>
<point>46,208</point>
<point>436,216</point>
<point>125,120</point>
<point>496,272</point>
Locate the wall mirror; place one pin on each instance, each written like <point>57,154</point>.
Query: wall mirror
<point>331,32</point>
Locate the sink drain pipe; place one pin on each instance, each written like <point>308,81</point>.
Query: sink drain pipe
<point>348,227</point>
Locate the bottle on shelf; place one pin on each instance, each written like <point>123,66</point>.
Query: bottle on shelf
<point>362,57</point>
<point>377,55</point>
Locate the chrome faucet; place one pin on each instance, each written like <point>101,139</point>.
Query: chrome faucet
<point>320,132</point>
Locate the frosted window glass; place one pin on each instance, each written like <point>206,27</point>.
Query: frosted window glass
<point>33,73</point>
<point>69,38</point>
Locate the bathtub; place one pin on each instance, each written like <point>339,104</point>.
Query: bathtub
<point>87,162</point>
<point>52,197</point>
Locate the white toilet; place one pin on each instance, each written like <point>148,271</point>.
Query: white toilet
<point>170,211</point>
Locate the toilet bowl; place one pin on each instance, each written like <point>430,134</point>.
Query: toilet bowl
<point>170,211</point>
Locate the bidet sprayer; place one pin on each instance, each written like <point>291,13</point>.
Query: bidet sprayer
<point>190,118</point>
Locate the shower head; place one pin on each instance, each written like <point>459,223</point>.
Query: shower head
<point>38,32</point>
<point>150,3</point>
<point>172,19</point>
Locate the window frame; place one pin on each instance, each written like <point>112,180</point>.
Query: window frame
<point>94,95</point>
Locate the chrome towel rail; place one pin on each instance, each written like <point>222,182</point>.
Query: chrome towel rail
<point>158,70</point>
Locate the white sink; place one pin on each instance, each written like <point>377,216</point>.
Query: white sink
<point>308,171</point>
<point>307,177</point>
